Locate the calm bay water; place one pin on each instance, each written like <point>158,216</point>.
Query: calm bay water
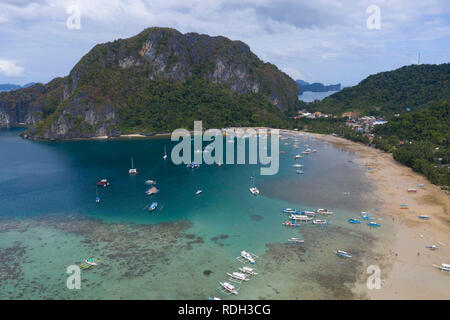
<point>49,220</point>
<point>309,96</point>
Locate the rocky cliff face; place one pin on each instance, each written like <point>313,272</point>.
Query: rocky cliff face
<point>106,80</point>
<point>29,105</point>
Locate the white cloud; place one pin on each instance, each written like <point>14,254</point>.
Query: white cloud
<point>10,68</point>
<point>322,38</point>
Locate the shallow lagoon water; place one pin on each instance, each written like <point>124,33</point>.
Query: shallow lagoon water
<point>49,220</point>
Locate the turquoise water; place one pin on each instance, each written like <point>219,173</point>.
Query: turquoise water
<point>49,220</point>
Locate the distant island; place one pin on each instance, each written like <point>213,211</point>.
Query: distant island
<point>316,87</point>
<point>11,86</point>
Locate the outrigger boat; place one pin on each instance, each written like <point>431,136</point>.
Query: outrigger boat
<point>309,213</point>
<point>373,224</point>
<point>300,217</point>
<point>432,247</point>
<point>443,267</point>
<point>353,221</point>
<point>424,217</point>
<point>151,191</point>
<point>103,183</point>
<point>324,211</point>
<point>192,165</point>
<point>295,240</point>
<point>151,207</point>
<point>319,221</point>
<point>132,170</point>
<point>365,216</point>
<point>289,210</point>
<point>248,270</point>
<point>229,288</point>
<point>247,257</point>
<point>238,276</point>
<point>91,261</point>
<point>341,253</point>
<point>290,224</point>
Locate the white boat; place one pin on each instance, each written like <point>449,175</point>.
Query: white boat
<point>324,211</point>
<point>319,221</point>
<point>298,156</point>
<point>198,192</point>
<point>150,182</point>
<point>443,267</point>
<point>289,210</point>
<point>214,298</point>
<point>254,191</point>
<point>300,217</point>
<point>299,171</point>
<point>132,170</point>
<point>295,240</point>
<point>229,287</point>
<point>91,262</point>
<point>248,270</point>
<point>341,253</point>
<point>309,213</point>
<point>165,153</point>
<point>247,256</point>
<point>297,165</point>
<point>307,151</point>
<point>238,276</point>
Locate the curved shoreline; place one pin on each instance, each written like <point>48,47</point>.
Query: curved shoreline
<point>405,263</point>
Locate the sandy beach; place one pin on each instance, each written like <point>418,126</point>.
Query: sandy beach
<point>405,262</point>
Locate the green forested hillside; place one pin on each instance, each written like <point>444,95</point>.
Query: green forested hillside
<point>420,140</point>
<point>388,93</point>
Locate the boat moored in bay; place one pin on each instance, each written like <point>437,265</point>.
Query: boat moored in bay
<point>341,253</point>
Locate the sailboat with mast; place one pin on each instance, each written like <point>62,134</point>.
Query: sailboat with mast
<point>97,199</point>
<point>254,190</point>
<point>132,170</point>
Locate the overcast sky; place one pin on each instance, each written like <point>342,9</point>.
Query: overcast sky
<point>314,40</point>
